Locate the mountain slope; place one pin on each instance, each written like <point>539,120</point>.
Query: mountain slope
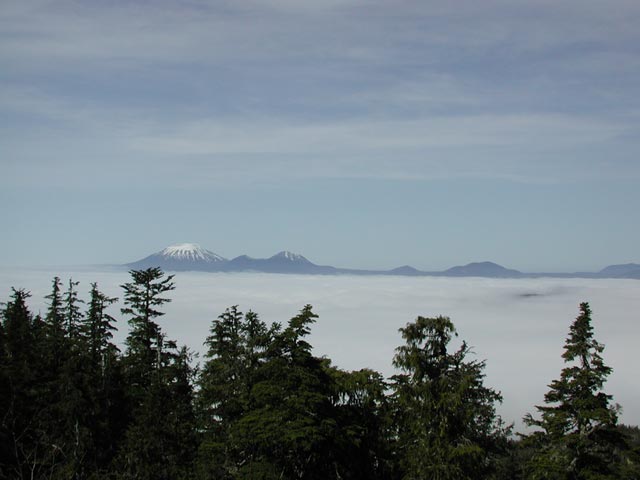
<point>282,262</point>
<point>627,270</point>
<point>182,257</point>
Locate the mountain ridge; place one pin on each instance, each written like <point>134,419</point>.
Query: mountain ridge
<point>192,257</point>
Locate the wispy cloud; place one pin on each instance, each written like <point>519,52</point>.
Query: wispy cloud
<point>365,136</point>
<point>406,86</point>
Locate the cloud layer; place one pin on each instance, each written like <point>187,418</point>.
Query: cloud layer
<point>518,326</point>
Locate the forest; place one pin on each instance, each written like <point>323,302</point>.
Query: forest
<point>260,405</point>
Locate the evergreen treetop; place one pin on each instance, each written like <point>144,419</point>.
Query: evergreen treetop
<point>579,438</point>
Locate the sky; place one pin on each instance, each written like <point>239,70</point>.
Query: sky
<point>362,134</point>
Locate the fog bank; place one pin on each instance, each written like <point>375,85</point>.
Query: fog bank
<point>518,325</point>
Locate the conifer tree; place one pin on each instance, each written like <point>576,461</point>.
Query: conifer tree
<point>24,425</point>
<point>289,429</point>
<point>104,384</point>
<point>160,442</point>
<point>72,313</point>
<point>446,419</point>
<point>142,297</point>
<point>579,438</point>
<point>364,426</point>
<point>57,382</point>
<point>5,398</point>
<point>97,328</point>
<point>157,444</point>
<point>69,411</point>
<point>54,328</point>
<point>236,348</point>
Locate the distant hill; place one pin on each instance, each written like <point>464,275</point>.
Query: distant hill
<point>482,269</point>
<point>627,270</point>
<point>406,270</point>
<point>282,262</point>
<point>192,257</point>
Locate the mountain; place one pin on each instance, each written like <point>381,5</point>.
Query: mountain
<point>481,269</point>
<point>282,262</point>
<point>182,257</point>
<point>627,270</point>
<point>243,263</point>
<point>192,257</point>
<point>406,270</point>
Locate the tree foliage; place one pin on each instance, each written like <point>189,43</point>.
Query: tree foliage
<point>264,405</point>
<point>447,424</point>
<point>579,438</point>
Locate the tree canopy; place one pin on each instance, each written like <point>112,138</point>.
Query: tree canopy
<point>579,437</point>
<point>263,405</point>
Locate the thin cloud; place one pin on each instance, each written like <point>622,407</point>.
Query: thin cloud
<point>419,89</point>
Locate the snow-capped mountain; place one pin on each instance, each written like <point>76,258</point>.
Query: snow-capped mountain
<point>181,257</point>
<point>287,262</point>
<point>288,257</point>
<point>192,257</point>
<point>192,252</point>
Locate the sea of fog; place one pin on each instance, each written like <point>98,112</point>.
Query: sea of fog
<point>517,325</point>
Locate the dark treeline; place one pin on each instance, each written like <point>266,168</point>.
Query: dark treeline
<point>262,406</point>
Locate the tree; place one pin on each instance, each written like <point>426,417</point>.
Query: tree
<point>5,402</point>
<point>446,419</point>
<point>289,429</point>
<point>72,313</point>
<point>364,426</point>
<point>158,443</point>
<point>579,438</point>
<point>97,327</point>
<point>54,329</point>
<point>24,424</point>
<point>236,348</point>
<point>142,298</point>
<point>103,383</point>
<point>222,397</point>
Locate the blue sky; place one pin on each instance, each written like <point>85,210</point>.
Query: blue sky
<point>360,134</point>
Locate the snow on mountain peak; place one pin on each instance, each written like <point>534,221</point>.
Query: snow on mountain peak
<point>293,257</point>
<point>190,251</point>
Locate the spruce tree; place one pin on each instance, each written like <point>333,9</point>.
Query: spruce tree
<point>72,312</point>
<point>104,384</point>
<point>446,419</point>
<point>158,443</point>
<point>579,438</point>
<point>25,425</point>
<point>97,327</point>
<point>54,325</point>
<point>142,297</point>
<point>55,349</point>
<point>364,433</point>
<point>289,430</point>
<point>5,402</point>
<point>236,348</point>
